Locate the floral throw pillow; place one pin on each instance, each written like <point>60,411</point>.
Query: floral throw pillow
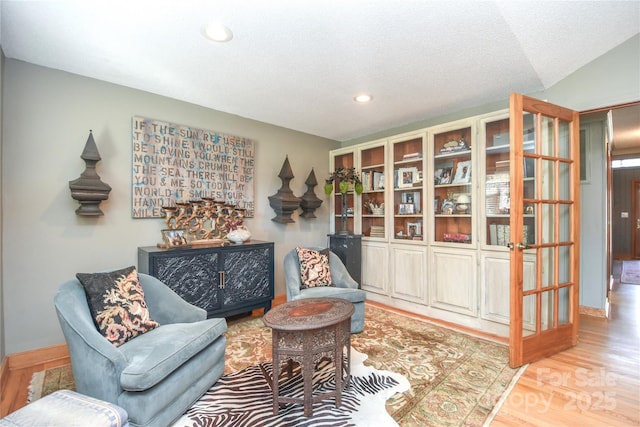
<point>314,268</point>
<point>116,301</point>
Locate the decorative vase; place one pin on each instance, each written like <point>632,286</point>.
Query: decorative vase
<point>344,229</point>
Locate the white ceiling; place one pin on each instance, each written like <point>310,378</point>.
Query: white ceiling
<point>298,64</point>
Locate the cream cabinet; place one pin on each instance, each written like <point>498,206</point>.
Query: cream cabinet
<point>434,215</point>
<point>408,272</point>
<point>375,266</point>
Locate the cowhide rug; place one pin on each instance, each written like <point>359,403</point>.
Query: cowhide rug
<point>245,399</point>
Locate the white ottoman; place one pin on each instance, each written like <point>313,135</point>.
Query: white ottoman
<point>67,408</point>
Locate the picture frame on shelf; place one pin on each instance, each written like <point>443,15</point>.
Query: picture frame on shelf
<point>174,238</point>
<point>443,176</point>
<point>436,204</point>
<point>406,209</point>
<point>407,176</point>
<point>414,229</point>
<point>463,173</point>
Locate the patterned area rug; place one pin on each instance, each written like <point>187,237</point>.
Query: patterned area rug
<point>456,379</point>
<point>50,380</point>
<point>630,272</point>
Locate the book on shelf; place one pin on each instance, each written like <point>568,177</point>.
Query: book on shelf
<point>503,234</point>
<point>412,156</point>
<point>377,231</point>
<point>502,166</point>
<point>493,234</point>
<point>378,180</point>
<point>372,180</point>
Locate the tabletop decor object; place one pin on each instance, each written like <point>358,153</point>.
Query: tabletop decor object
<point>205,221</point>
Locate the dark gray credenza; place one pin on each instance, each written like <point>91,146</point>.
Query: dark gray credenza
<point>224,280</point>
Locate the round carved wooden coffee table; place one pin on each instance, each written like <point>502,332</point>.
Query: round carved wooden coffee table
<point>306,331</point>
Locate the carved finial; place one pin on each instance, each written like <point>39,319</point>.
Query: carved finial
<point>89,190</point>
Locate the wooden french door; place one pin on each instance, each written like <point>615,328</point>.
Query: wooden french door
<point>635,203</point>
<point>544,223</point>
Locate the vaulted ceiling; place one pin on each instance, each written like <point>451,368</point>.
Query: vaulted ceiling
<point>299,64</point>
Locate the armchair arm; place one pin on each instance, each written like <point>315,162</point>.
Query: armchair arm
<point>90,352</point>
<point>292,275</point>
<point>165,306</point>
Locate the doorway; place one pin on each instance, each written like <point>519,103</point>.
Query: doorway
<point>635,220</point>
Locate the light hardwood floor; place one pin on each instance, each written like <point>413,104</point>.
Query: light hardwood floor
<point>596,383</point>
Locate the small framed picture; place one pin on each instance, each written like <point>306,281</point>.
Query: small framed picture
<point>436,204</point>
<point>414,229</point>
<point>443,176</point>
<point>463,172</point>
<point>407,176</point>
<point>406,209</point>
<point>174,238</point>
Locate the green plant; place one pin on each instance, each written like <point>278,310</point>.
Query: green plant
<point>344,177</point>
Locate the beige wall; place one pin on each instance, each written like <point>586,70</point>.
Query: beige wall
<point>47,117</point>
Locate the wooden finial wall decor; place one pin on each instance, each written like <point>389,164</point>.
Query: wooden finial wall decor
<point>310,202</point>
<point>89,190</point>
<point>284,203</point>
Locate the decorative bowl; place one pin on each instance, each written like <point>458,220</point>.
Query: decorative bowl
<point>239,235</point>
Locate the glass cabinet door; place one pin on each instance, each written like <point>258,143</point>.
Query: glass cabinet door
<point>373,175</point>
<point>343,203</point>
<point>497,195</point>
<point>453,203</point>
<point>408,194</point>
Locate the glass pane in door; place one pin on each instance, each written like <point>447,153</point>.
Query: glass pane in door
<point>546,310</point>
<point>547,137</point>
<point>529,315</point>
<point>564,139</point>
<point>547,261</point>
<point>564,306</point>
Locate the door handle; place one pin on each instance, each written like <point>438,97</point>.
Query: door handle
<point>638,223</point>
<point>510,245</point>
<point>522,246</point>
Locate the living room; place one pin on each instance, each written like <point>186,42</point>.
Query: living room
<point>47,115</point>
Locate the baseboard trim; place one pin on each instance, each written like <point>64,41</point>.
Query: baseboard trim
<point>40,355</point>
<point>592,311</point>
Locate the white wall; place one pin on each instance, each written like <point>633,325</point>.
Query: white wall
<point>47,118</point>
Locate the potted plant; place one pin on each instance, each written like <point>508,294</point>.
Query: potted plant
<point>344,177</point>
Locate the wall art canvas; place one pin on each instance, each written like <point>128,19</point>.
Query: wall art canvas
<point>177,163</point>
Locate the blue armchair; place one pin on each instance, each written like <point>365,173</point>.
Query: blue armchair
<point>156,376</point>
<point>344,286</point>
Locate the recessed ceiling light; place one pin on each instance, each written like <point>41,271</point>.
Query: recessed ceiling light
<point>364,98</point>
<point>217,32</point>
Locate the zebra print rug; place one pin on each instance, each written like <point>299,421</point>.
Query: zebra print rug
<point>245,399</point>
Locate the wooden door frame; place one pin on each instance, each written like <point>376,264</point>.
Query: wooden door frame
<point>635,217</point>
